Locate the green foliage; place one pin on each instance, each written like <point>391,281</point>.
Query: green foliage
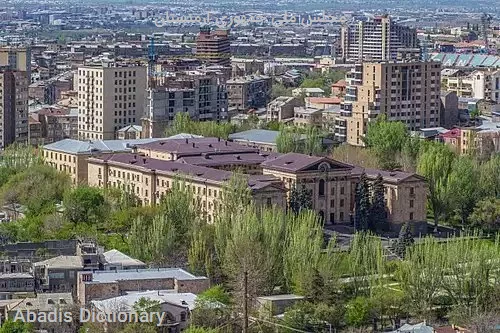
<point>11,326</point>
<point>85,204</point>
<point>215,294</point>
<point>37,188</point>
<point>489,180</point>
<point>486,215</point>
<point>405,240</point>
<point>279,89</point>
<point>145,304</point>
<point>291,140</point>
<point>197,329</point>
<point>359,312</point>
<point>362,204</point>
<point>311,317</point>
<point>378,218</point>
<point>184,124</point>
<point>386,139</point>
<point>462,183</point>
<point>300,198</point>
<point>163,237</point>
<point>435,164</point>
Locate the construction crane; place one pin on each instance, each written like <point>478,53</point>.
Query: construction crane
<point>152,57</point>
<point>485,26</point>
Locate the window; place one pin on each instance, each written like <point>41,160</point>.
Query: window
<point>321,187</point>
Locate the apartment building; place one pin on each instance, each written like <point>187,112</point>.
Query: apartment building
<point>13,106</point>
<point>403,91</point>
<point>201,93</point>
<point>379,38</point>
<point>305,116</point>
<point>110,96</point>
<point>245,67</point>
<point>18,59</point>
<point>282,108</point>
<point>249,92</point>
<point>480,84</point>
<point>213,46</point>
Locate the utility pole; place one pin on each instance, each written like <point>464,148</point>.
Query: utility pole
<point>245,304</point>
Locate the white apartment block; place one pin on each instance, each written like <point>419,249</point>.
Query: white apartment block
<point>376,39</point>
<point>110,97</point>
<point>480,84</point>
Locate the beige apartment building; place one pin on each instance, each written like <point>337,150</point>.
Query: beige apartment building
<point>151,178</point>
<point>110,97</point>
<point>18,59</point>
<point>405,91</point>
<point>14,126</point>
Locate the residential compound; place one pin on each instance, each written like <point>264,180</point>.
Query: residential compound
<point>200,93</point>
<point>205,165</point>
<point>247,92</point>
<point>480,83</point>
<point>13,105</point>
<point>110,96</point>
<point>378,38</point>
<point>406,91</point>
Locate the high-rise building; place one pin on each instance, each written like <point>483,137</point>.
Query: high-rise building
<point>376,39</point>
<point>110,97</point>
<point>403,91</point>
<point>213,46</point>
<point>201,94</point>
<point>13,106</point>
<point>17,58</point>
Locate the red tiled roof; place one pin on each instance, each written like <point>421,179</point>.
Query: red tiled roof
<point>340,84</point>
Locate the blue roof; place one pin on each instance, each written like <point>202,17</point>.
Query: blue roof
<point>256,135</point>
<point>467,60</point>
<point>71,146</point>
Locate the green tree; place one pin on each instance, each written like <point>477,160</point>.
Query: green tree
<point>486,215</point>
<point>435,164</point>
<point>462,182</point>
<point>404,241</point>
<point>489,181</point>
<point>300,198</point>
<point>362,204</point>
<point>378,215</point>
<point>386,139</point>
<point>359,312</point>
<point>11,326</point>
<point>85,204</point>
<point>288,140</point>
<point>39,187</point>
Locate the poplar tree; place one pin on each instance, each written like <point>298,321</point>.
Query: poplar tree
<point>378,218</point>
<point>362,201</point>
